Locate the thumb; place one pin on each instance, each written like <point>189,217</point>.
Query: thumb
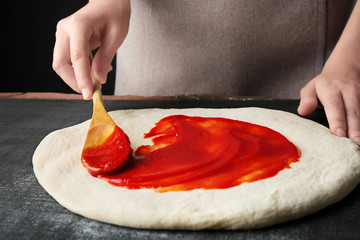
<point>308,99</point>
<point>102,64</point>
<point>104,56</point>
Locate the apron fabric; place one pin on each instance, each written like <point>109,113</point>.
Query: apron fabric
<point>234,47</point>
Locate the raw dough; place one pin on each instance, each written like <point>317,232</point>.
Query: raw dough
<point>329,168</point>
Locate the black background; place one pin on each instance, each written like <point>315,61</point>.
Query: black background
<point>27,35</point>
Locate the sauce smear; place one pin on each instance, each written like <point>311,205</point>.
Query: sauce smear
<point>209,153</point>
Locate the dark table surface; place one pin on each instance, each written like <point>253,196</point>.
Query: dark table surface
<point>28,212</point>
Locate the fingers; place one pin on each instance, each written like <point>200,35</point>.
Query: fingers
<point>99,23</point>
<point>79,56</point>
<point>308,99</point>
<point>61,58</point>
<point>352,108</point>
<point>335,112</point>
<point>102,63</point>
<point>341,101</point>
<point>111,41</point>
<point>342,108</point>
<point>71,56</point>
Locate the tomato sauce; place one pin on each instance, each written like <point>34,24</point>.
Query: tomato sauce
<point>110,156</point>
<point>204,153</point>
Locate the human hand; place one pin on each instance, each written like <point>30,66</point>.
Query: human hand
<point>338,86</point>
<point>339,93</point>
<point>101,23</point>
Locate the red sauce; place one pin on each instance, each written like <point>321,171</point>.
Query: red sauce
<point>209,153</point>
<point>108,157</point>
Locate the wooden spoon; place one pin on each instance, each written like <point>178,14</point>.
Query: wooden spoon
<point>107,148</point>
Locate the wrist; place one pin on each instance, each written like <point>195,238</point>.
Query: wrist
<point>123,5</point>
<point>342,68</point>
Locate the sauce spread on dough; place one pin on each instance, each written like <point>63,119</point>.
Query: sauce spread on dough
<point>209,153</point>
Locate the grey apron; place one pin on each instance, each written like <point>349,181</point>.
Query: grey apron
<point>238,47</point>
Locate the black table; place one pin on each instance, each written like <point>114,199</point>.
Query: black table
<point>28,212</point>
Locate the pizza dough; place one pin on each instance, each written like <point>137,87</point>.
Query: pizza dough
<point>329,168</point>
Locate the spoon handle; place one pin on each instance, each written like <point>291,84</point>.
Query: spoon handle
<point>97,95</point>
<point>100,114</point>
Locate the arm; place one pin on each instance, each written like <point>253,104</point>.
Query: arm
<point>337,87</point>
<point>101,23</point>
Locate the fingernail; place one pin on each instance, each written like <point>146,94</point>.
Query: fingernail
<point>340,132</point>
<point>85,93</point>
<point>357,140</point>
